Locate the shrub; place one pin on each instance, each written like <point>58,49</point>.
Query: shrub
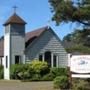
<point>15,69</point>
<point>81,84</point>
<point>36,77</point>
<point>61,82</point>
<point>19,71</point>
<point>47,77</point>
<point>39,67</point>
<point>33,71</point>
<point>58,71</point>
<point>1,72</point>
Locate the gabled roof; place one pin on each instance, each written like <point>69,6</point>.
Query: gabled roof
<point>29,38</point>
<point>14,19</point>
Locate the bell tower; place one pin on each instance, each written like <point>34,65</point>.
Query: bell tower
<point>14,43</point>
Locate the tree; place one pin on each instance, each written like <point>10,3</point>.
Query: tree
<point>71,10</point>
<point>79,37</point>
<point>78,41</point>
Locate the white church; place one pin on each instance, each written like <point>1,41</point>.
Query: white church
<point>18,47</point>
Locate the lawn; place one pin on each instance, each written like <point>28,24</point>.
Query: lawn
<point>17,85</point>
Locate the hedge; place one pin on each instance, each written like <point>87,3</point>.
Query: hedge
<point>36,71</point>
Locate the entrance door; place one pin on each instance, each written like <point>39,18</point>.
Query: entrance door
<point>48,57</point>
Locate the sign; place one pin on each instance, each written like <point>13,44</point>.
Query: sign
<point>80,64</point>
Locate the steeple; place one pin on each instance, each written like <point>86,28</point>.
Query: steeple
<point>14,19</point>
<point>14,42</point>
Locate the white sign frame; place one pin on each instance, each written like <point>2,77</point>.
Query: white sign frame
<point>80,65</point>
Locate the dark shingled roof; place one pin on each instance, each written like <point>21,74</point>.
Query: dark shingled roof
<point>29,38</point>
<point>14,19</point>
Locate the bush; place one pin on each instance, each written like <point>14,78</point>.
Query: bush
<point>47,77</point>
<point>36,77</point>
<point>58,71</point>
<point>61,82</point>
<point>1,72</point>
<point>33,71</point>
<point>20,71</point>
<point>81,84</point>
<point>39,67</point>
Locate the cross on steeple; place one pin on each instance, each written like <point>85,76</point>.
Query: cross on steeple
<point>15,8</point>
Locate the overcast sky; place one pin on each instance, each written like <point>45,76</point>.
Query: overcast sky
<point>35,12</point>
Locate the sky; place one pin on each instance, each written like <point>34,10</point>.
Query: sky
<point>36,13</point>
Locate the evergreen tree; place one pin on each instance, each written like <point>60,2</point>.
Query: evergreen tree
<point>71,10</point>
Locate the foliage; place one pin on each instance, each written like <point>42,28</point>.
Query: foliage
<point>33,71</point>
<point>20,71</point>
<point>80,41</point>
<point>71,10</point>
<point>39,67</point>
<point>48,77</point>
<point>1,72</point>
<point>36,77</point>
<point>36,71</point>
<point>81,84</point>
<point>58,71</point>
<point>61,82</point>
<point>54,72</point>
<point>79,37</point>
<point>79,48</point>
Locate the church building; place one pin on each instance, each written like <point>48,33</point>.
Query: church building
<point>18,47</point>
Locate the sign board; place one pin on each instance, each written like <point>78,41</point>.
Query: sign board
<point>80,64</point>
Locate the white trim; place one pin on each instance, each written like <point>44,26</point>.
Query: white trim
<point>7,52</point>
<point>43,57</point>
<point>24,59</point>
<point>80,76</point>
<point>57,61</point>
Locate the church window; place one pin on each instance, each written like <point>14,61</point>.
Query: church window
<point>6,61</point>
<point>54,60</point>
<point>17,59</point>
<point>40,57</point>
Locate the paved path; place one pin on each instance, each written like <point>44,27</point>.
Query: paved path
<point>17,85</point>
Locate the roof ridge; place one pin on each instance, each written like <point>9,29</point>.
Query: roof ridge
<point>41,28</point>
<point>35,32</point>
